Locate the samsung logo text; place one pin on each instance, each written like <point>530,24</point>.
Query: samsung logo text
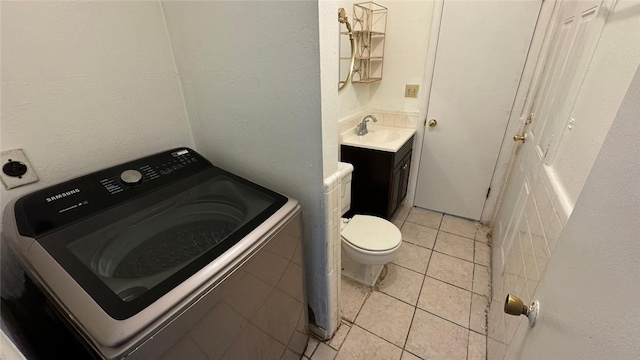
<point>62,195</point>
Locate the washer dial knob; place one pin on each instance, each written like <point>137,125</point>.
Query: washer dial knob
<point>131,177</point>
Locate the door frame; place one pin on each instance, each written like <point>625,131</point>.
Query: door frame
<point>424,96</point>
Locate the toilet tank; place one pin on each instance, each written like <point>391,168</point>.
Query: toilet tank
<point>345,170</point>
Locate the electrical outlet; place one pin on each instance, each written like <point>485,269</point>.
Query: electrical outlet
<point>411,91</point>
<point>16,169</point>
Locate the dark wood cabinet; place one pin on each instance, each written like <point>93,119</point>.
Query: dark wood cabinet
<point>380,179</point>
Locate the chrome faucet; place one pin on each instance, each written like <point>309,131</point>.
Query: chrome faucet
<point>362,127</point>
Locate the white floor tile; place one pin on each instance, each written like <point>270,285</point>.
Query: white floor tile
<point>481,280</point>
<point>386,317</point>
<point>352,296</point>
<point>324,352</point>
<point>401,283</point>
<point>409,356</point>
<point>431,337</point>
<point>482,254</point>
<point>458,226</point>
<point>412,257</point>
<point>425,217</point>
<point>340,335</point>
<point>446,301</point>
<point>419,235</point>
<point>362,345</point>
<point>477,347</point>
<point>451,270</point>
<point>478,319</point>
<point>455,245</point>
<point>311,347</point>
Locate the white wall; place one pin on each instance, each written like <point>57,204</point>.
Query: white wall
<point>329,43</point>
<point>587,295</point>
<point>86,85</point>
<point>353,98</point>
<point>405,53</point>
<point>251,78</point>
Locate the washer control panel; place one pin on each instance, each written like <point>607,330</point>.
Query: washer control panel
<point>156,166</point>
<point>59,205</point>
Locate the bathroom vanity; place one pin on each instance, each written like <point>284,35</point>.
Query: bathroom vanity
<point>381,173</point>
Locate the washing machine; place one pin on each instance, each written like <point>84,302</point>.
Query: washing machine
<point>167,257</point>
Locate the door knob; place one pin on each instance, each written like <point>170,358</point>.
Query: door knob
<point>519,138</point>
<point>433,122</point>
<point>514,306</point>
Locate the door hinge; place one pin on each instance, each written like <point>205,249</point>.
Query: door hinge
<point>488,192</point>
<point>424,123</point>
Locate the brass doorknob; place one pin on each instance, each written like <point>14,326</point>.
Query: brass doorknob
<point>519,138</point>
<point>433,122</point>
<point>514,306</point>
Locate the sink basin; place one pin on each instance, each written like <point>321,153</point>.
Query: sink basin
<point>380,138</point>
<point>383,135</point>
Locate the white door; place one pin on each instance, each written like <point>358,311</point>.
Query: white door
<point>594,270</point>
<point>554,92</point>
<point>578,30</point>
<point>480,55</point>
<point>527,225</point>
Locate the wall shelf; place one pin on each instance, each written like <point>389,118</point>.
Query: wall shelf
<point>370,25</point>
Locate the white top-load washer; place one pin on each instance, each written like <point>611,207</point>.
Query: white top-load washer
<point>137,256</point>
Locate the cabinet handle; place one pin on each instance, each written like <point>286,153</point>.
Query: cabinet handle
<point>405,166</point>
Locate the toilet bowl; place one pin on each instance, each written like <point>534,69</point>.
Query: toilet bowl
<point>368,242</point>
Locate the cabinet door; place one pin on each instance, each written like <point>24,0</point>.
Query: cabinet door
<point>404,182</point>
<point>396,189</point>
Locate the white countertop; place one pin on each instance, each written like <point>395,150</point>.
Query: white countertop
<point>381,138</point>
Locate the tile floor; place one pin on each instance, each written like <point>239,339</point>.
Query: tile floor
<point>431,304</point>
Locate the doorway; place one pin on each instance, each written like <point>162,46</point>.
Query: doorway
<point>480,54</point>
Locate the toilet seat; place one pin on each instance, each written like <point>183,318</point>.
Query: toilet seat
<point>372,234</point>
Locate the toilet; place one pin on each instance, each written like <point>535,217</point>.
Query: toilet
<point>368,242</point>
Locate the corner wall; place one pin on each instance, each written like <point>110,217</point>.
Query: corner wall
<point>251,78</point>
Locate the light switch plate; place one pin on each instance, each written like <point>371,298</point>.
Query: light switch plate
<point>411,91</point>
<point>11,182</point>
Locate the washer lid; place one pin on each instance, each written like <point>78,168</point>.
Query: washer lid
<point>371,233</point>
<point>129,256</point>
